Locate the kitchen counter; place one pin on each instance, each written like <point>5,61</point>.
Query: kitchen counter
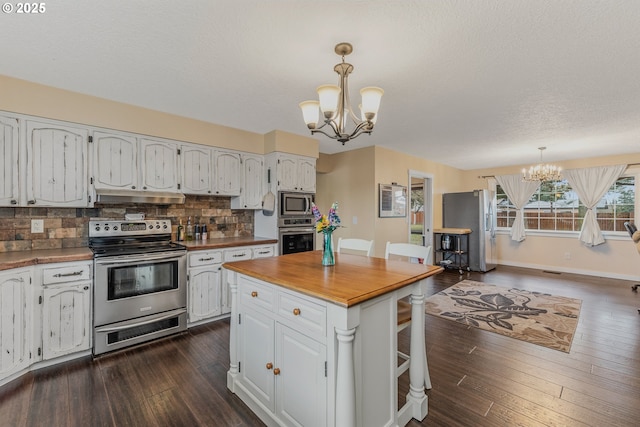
<point>18,259</point>
<point>353,280</point>
<point>228,242</point>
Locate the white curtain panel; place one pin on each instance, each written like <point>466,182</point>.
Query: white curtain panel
<point>592,184</point>
<point>519,192</point>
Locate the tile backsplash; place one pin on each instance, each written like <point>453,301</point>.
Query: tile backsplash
<point>68,227</point>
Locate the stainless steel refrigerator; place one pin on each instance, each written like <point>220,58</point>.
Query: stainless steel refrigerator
<point>474,210</point>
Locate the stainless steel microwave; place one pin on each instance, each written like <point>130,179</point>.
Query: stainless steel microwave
<point>295,203</point>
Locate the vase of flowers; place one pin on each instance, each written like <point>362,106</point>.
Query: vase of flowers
<point>326,224</point>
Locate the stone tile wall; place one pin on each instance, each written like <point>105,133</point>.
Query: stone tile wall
<point>68,227</point>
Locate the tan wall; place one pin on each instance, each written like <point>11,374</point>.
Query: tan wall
<point>20,96</point>
<point>616,257</point>
<point>285,142</point>
<point>349,183</point>
<point>352,179</point>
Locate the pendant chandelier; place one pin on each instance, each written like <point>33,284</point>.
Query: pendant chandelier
<point>336,107</point>
<point>542,172</point>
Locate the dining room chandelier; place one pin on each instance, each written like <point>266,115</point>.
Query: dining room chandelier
<point>338,116</point>
<point>542,172</point>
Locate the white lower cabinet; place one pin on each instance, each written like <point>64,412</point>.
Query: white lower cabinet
<point>205,271</point>
<point>282,356</point>
<point>66,309</point>
<point>16,314</point>
<point>208,290</point>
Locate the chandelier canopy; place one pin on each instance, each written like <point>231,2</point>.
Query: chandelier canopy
<point>336,107</point>
<point>542,172</point>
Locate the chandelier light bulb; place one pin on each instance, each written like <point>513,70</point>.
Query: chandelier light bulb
<point>310,113</point>
<point>328,95</point>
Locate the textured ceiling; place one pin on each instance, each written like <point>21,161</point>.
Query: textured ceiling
<point>470,84</point>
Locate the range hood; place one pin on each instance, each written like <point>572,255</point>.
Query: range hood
<point>130,196</point>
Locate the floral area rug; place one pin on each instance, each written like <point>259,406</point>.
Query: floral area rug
<point>535,317</point>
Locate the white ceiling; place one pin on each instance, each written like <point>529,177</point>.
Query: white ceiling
<point>470,84</point>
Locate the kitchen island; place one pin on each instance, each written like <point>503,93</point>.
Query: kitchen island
<point>317,346</point>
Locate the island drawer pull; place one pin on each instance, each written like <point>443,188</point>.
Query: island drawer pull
<point>269,365</point>
<point>296,312</point>
<point>276,371</point>
<point>254,294</point>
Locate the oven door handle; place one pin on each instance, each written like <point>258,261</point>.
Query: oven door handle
<point>138,258</point>
<point>174,313</point>
<point>297,231</point>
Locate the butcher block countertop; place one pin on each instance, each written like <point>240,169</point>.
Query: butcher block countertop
<point>18,259</point>
<point>352,280</point>
<point>227,242</point>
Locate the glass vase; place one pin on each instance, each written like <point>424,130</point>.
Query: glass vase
<point>327,249</point>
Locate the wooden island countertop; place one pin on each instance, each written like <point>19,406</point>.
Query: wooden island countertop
<point>352,280</point>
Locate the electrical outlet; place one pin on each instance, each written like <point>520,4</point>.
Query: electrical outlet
<point>37,225</point>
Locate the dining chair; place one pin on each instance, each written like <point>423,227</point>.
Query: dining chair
<point>414,254</point>
<point>359,245</point>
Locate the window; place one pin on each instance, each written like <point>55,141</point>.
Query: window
<point>556,207</point>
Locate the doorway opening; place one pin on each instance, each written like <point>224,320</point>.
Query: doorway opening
<point>421,212</point>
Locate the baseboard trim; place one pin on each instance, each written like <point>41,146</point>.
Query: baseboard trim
<point>556,269</point>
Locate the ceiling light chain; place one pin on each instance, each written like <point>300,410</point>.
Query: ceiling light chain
<point>336,107</point>
<point>542,172</point>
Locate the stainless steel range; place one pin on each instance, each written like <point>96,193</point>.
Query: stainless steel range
<point>140,290</point>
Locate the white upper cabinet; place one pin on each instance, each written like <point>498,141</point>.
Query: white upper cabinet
<point>252,183</point>
<point>227,169</point>
<point>159,165</point>
<point>115,161</point>
<point>296,173</point>
<point>57,165</point>
<point>196,170</point>
<point>9,146</point>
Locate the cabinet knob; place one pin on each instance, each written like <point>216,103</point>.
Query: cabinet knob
<point>14,202</point>
<point>31,202</point>
<point>296,312</point>
<point>269,365</point>
<point>254,294</point>
<point>276,371</point>
<point>86,288</point>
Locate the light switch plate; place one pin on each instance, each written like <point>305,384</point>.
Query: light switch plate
<point>37,225</point>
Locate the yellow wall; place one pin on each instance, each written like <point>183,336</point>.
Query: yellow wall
<point>20,96</point>
<point>617,257</point>
<point>352,179</point>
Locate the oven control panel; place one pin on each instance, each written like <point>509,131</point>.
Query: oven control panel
<point>107,228</point>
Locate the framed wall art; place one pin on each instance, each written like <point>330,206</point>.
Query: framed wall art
<point>392,199</point>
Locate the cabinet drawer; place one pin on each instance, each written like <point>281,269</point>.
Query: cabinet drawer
<point>301,314</point>
<point>199,258</point>
<point>263,252</point>
<point>66,274</point>
<point>237,254</point>
<point>254,294</point>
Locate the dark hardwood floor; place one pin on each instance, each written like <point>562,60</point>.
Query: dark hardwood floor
<point>479,378</point>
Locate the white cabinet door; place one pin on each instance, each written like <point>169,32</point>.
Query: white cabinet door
<point>159,165</point>
<point>296,173</point>
<point>307,175</point>
<point>256,356</point>
<point>66,319</point>
<point>287,173</point>
<point>15,322</point>
<point>57,165</point>
<point>9,146</point>
<point>204,293</point>
<point>196,170</point>
<point>115,161</point>
<point>252,183</point>
<point>301,385</point>
<point>227,170</point>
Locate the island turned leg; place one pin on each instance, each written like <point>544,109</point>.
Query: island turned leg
<point>346,380</point>
<point>418,361</point>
